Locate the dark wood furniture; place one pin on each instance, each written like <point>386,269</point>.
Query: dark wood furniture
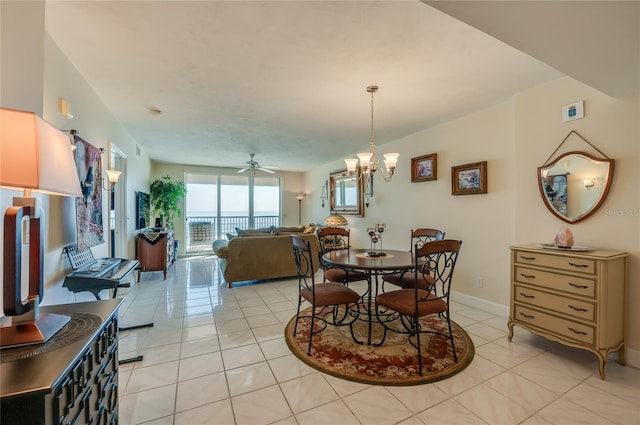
<point>73,378</point>
<point>156,251</point>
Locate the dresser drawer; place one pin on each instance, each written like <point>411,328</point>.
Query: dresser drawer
<point>575,285</point>
<point>567,328</point>
<point>574,264</point>
<point>565,305</point>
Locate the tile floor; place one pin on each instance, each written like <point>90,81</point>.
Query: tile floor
<point>217,356</point>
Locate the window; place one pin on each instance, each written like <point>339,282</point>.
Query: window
<point>217,204</point>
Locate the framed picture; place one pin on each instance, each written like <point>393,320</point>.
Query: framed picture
<point>424,168</point>
<point>469,179</point>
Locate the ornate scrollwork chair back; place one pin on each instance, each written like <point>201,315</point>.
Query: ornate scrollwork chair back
<point>325,298</point>
<point>437,261</point>
<point>332,239</point>
<point>419,237</point>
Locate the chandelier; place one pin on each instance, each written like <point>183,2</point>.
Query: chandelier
<point>369,161</point>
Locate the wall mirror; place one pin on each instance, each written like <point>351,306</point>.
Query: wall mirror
<point>575,184</point>
<point>345,193</point>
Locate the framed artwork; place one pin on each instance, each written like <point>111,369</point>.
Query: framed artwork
<point>469,179</point>
<point>424,168</point>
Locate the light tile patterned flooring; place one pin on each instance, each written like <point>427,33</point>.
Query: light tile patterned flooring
<point>217,356</point>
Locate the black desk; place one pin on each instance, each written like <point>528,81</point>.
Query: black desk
<point>358,260</point>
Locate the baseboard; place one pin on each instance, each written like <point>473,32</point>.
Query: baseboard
<point>633,358</point>
<point>480,304</point>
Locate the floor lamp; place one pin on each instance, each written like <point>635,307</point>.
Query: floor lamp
<point>35,157</point>
<point>300,197</point>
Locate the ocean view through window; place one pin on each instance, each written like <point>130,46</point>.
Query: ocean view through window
<point>218,204</point>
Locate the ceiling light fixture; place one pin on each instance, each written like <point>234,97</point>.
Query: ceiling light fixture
<point>368,161</point>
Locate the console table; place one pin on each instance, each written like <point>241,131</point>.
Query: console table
<point>576,298</point>
<point>156,251</point>
<point>72,378</point>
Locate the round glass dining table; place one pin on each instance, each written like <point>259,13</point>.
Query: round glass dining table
<point>360,260</point>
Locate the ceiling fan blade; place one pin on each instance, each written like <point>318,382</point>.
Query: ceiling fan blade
<point>270,167</point>
<point>242,170</point>
<point>265,170</point>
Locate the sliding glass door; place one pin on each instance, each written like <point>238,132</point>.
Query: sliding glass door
<point>218,204</point>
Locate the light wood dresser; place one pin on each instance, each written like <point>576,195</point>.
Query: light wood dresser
<point>571,297</point>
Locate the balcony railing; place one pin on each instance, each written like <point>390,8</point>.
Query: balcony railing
<point>203,230</point>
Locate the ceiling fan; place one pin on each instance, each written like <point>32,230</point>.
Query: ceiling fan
<point>255,165</point>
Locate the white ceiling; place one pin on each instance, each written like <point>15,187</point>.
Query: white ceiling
<point>286,80</point>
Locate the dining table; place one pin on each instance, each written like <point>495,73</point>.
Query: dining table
<point>375,264</point>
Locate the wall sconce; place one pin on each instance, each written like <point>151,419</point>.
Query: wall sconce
<point>300,197</point>
<point>65,111</point>
<point>588,183</point>
<point>112,177</point>
<point>324,195</point>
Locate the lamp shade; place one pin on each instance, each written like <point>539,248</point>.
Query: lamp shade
<point>34,155</point>
<point>335,220</point>
<point>113,175</point>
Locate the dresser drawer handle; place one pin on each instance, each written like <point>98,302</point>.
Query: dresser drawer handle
<point>527,316</point>
<point>577,309</point>
<point>578,286</point>
<point>577,332</point>
<point>579,266</point>
<point>527,258</point>
<point>527,296</point>
<point>527,276</point>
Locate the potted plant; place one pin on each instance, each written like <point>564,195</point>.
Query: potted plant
<point>166,195</point>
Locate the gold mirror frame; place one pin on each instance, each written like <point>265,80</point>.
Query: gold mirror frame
<point>342,200</point>
<point>575,184</point>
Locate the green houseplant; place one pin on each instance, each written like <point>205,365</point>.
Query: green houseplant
<point>166,195</point>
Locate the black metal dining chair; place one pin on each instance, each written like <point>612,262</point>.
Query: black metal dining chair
<point>406,279</point>
<point>326,298</point>
<point>332,239</point>
<point>437,261</point>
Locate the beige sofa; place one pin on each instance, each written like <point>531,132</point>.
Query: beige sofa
<point>260,257</point>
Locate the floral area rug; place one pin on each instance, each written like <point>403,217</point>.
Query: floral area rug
<point>394,363</point>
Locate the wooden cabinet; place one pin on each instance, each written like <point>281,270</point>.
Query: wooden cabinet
<point>575,298</point>
<point>156,252</point>
<point>72,378</point>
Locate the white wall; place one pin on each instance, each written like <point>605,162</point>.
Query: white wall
<point>94,122</point>
<point>514,137</point>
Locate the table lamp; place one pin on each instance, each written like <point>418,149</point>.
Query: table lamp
<point>35,156</point>
<point>335,220</point>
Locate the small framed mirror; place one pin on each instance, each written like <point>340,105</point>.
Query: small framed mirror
<point>575,184</point>
<point>345,193</point>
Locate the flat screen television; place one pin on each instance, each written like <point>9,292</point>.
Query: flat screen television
<point>143,210</point>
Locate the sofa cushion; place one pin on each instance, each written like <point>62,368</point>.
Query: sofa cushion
<point>287,230</point>
<point>255,232</point>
